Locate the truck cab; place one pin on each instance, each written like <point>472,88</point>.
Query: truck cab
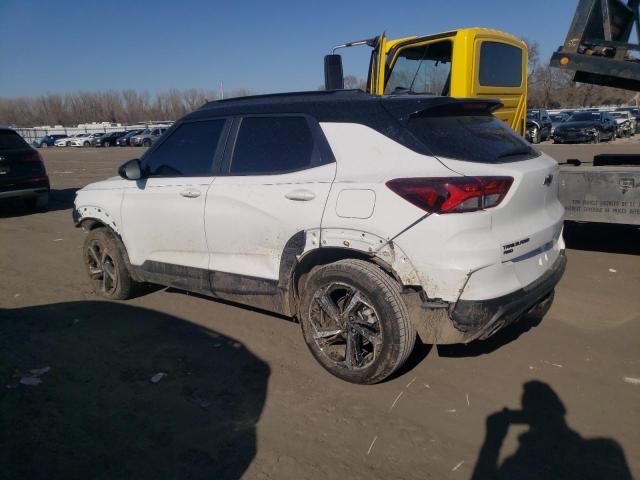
<point>471,62</point>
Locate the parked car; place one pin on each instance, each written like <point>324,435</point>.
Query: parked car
<point>107,140</point>
<point>586,127</point>
<point>22,171</point>
<point>305,218</point>
<point>557,119</point>
<point>626,123</point>
<point>123,141</point>
<point>47,140</point>
<point>66,141</point>
<point>147,137</point>
<point>538,125</point>
<point>635,112</point>
<point>85,141</point>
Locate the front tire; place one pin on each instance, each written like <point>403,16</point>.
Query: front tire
<point>106,144</point>
<point>106,266</point>
<point>86,144</point>
<point>355,321</point>
<point>146,143</point>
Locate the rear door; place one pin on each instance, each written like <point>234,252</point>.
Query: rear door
<point>500,72</point>
<point>274,187</point>
<point>163,214</point>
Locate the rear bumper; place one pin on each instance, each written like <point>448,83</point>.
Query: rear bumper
<point>479,319</point>
<point>23,193</point>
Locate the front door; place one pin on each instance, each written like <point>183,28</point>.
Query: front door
<point>163,216</point>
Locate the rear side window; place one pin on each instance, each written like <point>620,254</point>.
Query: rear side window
<point>482,139</point>
<point>10,140</point>
<point>272,145</point>
<point>187,152</point>
<point>500,65</point>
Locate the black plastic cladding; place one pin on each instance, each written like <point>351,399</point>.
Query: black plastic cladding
<point>386,115</point>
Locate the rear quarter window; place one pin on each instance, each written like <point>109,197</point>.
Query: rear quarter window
<point>500,65</point>
<point>10,140</point>
<point>482,139</point>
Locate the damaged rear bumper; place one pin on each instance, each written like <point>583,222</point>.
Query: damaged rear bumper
<point>469,320</point>
<point>479,319</point>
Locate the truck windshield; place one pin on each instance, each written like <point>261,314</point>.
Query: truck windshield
<point>424,69</point>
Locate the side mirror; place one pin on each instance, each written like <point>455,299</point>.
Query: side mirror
<point>333,76</point>
<point>131,170</point>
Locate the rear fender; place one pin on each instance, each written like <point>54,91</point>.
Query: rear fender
<point>380,249</point>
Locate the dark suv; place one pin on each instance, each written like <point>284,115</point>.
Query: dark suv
<point>22,172</point>
<point>107,140</point>
<point>538,125</point>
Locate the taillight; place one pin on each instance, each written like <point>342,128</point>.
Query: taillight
<point>33,157</point>
<point>452,194</point>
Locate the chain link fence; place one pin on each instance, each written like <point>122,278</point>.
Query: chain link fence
<point>33,134</point>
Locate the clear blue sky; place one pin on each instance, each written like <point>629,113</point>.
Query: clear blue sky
<point>59,46</point>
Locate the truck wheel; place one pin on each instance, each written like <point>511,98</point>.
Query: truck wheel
<point>105,265</point>
<point>355,321</point>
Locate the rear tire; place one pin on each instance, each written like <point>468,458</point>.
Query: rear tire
<point>39,202</point>
<point>355,321</point>
<point>86,144</point>
<point>105,265</point>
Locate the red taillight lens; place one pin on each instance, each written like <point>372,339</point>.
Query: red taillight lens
<point>33,157</point>
<point>452,194</point>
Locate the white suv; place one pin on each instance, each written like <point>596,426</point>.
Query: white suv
<point>368,219</point>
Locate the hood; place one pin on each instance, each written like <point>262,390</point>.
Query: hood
<point>620,121</point>
<point>578,125</point>
<point>108,184</point>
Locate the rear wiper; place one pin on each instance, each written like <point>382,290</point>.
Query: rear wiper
<point>515,153</point>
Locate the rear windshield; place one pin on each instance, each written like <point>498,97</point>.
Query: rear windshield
<point>10,140</point>
<point>482,139</point>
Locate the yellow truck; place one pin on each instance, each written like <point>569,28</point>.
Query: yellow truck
<point>470,62</point>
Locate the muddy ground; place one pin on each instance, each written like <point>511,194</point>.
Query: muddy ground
<point>243,397</point>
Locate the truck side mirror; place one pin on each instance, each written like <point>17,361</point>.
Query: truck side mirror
<point>131,170</point>
<point>333,76</point>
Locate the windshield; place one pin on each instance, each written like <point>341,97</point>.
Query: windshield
<point>533,113</point>
<point>585,117</point>
<point>558,118</point>
<point>425,69</point>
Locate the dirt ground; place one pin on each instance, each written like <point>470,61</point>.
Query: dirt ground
<point>243,397</point>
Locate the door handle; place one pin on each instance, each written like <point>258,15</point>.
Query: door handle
<point>300,195</point>
<point>190,193</point>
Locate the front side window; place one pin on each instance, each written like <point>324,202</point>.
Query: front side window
<point>272,145</point>
<point>187,152</point>
<point>500,65</point>
<point>424,69</point>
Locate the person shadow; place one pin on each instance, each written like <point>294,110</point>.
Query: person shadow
<point>121,391</point>
<point>549,449</point>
